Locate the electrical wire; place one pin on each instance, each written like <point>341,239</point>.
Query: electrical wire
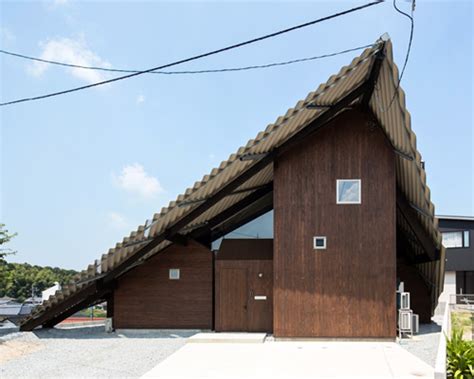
<point>196,57</point>
<point>410,40</point>
<point>207,71</point>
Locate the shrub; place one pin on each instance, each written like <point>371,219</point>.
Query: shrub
<point>460,355</point>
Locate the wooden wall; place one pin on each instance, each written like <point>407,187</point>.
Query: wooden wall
<point>146,297</point>
<point>347,290</point>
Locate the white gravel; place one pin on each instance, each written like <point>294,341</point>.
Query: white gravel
<point>86,352</point>
<point>425,344</point>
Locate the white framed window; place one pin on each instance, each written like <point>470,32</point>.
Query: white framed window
<point>174,274</point>
<point>348,191</point>
<point>466,238</point>
<point>319,242</point>
<point>457,239</point>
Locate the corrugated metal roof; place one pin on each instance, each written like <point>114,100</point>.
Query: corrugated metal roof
<point>395,121</point>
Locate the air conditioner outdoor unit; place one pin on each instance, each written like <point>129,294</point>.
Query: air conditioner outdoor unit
<point>405,300</point>
<point>415,327</point>
<point>405,322</point>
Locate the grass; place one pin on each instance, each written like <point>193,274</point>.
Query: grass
<point>462,320</point>
<point>87,313</point>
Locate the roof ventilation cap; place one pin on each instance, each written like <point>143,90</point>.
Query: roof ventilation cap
<point>385,37</point>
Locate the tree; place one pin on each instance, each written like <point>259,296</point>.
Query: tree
<point>20,280</point>
<point>5,237</point>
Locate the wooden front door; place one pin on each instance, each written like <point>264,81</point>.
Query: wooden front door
<point>260,300</point>
<point>244,296</point>
<point>233,299</point>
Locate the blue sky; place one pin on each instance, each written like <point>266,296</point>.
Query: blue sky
<point>78,172</point>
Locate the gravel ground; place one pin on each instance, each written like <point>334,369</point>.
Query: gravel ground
<point>425,344</point>
<point>86,352</point>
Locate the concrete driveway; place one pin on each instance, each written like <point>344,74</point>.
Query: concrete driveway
<point>290,359</point>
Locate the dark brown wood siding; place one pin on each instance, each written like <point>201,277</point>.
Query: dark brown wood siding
<point>347,290</point>
<point>146,297</point>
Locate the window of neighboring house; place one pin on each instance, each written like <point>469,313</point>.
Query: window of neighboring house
<point>348,191</point>
<point>456,239</point>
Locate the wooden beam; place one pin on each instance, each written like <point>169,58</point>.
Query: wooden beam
<point>236,192</point>
<point>232,210</point>
<point>86,302</point>
<point>251,213</point>
<point>58,308</point>
<point>405,249</point>
<point>179,239</point>
<point>418,230</point>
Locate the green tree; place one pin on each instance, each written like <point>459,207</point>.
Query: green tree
<point>5,237</point>
<point>21,280</point>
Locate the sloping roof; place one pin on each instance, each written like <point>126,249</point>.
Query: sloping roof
<point>204,201</point>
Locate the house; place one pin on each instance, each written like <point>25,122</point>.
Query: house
<point>352,218</point>
<point>50,291</point>
<point>457,233</point>
<point>13,310</point>
<point>33,300</point>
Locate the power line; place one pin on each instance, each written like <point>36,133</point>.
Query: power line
<point>410,40</point>
<point>411,34</point>
<point>196,57</point>
<point>207,71</point>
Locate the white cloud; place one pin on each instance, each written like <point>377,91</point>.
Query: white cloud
<point>6,36</point>
<point>117,221</point>
<point>140,99</point>
<point>136,180</point>
<point>72,51</point>
<point>53,4</point>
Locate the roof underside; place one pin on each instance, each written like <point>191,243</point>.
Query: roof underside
<point>221,200</point>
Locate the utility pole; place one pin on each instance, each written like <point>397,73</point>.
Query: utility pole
<point>33,293</point>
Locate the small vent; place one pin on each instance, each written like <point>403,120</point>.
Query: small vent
<point>319,242</point>
<point>174,273</point>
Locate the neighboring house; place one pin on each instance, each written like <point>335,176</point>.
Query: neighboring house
<point>352,217</point>
<point>13,310</point>
<point>34,300</point>
<point>6,300</point>
<point>50,291</point>
<point>458,234</point>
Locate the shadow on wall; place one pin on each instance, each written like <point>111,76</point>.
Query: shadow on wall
<point>98,332</point>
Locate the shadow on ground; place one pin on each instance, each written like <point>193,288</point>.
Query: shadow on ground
<point>429,328</point>
<point>98,332</point>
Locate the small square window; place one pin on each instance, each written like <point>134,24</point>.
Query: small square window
<point>348,191</point>
<point>319,242</point>
<point>174,273</point>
